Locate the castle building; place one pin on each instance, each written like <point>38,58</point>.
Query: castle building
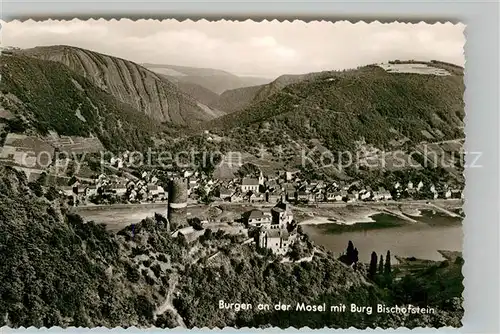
<point>278,241</point>
<point>281,215</point>
<point>177,202</point>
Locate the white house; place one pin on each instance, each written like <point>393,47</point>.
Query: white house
<point>420,185</point>
<point>249,184</point>
<point>365,195</point>
<point>258,218</point>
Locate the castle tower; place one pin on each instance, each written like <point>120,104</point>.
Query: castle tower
<point>177,202</point>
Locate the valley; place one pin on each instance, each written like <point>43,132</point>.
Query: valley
<point>142,194</point>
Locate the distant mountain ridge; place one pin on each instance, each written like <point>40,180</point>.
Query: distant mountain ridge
<point>218,81</point>
<point>130,83</point>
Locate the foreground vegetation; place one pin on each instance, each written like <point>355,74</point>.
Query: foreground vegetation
<point>58,270</point>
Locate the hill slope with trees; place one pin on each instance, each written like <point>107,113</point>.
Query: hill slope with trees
<point>130,83</point>
<point>59,271</point>
<point>340,108</point>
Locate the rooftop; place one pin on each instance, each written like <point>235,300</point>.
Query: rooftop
<point>280,233</point>
<point>247,181</point>
<point>281,207</point>
<point>254,214</point>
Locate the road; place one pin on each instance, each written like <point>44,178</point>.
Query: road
<point>168,305</point>
<point>444,202</point>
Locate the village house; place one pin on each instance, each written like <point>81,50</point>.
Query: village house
<point>188,173</point>
<point>256,197</point>
<point>250,184</point>
<point>420,186</point>
<point>156,192</point>
<point>273,197</point>
<point>90,191</point>
<point>365,195</point>
<point>237,197</point>
<point>291,175</point>
<point>302,196</point>
<point>337,196</point>
<point>258,218</point>
<point>447,194</point>
<point>226,194</point>
<point>290,193</point>
<point>382,194</point>
<point>192,183</point>
<point>329,194</point>
<point>351,198</point>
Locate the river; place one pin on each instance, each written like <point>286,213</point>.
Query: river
<point>433,232</point>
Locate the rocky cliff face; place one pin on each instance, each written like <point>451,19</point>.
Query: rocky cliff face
<point>130,83</point>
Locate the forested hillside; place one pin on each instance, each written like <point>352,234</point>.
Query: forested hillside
<point>46,95</point>
<point>57,270</point>
<point>340,108</point>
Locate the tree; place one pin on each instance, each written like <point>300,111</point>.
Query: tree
<point>351,253</point>
<point>350,249</point>
<point>196,223</point>
<point>248,169</point>
<point>387,268</point>
<point>373,266</point>
<point>300,230</point>
<point>381,265</point>
<point>296,252</point>
<point>71,168</point>
<point>43,179</point>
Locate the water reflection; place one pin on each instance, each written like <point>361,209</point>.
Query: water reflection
<point>421,240</point>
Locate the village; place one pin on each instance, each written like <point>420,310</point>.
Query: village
<point>120,183</point>
<point>282,186</point>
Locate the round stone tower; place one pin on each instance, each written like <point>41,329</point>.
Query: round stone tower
<point>177,202</point>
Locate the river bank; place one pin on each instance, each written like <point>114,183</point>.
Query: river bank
<point>434,231</point>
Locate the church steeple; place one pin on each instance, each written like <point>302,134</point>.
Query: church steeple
<point>261,179</point>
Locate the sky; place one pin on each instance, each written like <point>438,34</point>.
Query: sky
<point>264,49</point>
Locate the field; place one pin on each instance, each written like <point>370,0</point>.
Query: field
<point>76,145</point>
<point>414,68</point>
